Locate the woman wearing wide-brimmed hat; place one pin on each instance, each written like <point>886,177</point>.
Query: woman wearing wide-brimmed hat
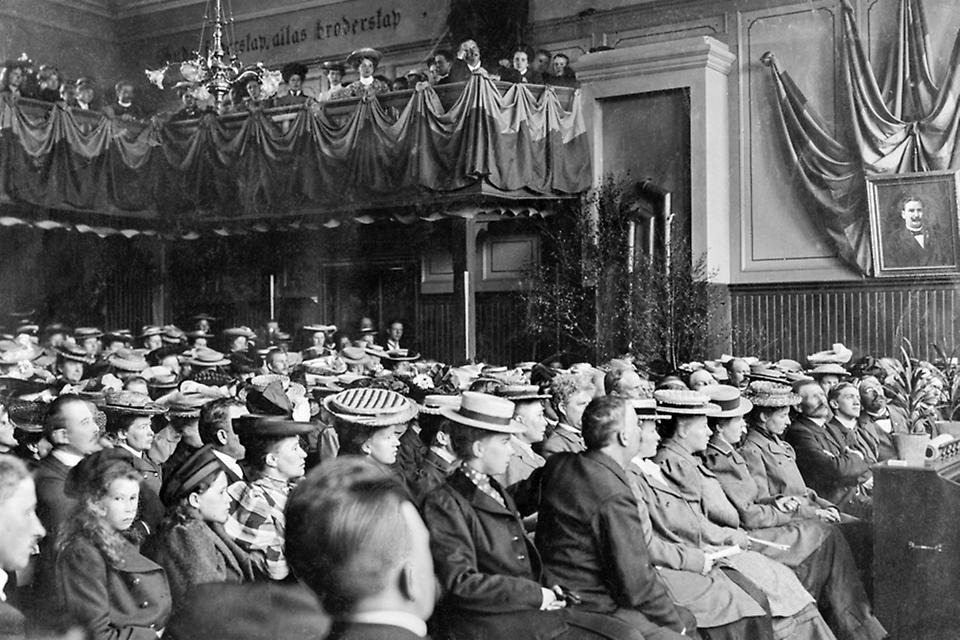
<point>490,571</point>
<point>796,516</point>
<point>129,424</point>
<point>368,421</point>
<point>365,60</point>
<point>703,516</point>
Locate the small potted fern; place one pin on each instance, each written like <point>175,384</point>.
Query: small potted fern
<point>909,385</point>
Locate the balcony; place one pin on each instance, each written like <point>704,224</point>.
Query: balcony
<point>408,154</point>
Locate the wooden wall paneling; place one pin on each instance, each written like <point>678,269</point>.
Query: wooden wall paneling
<point>867,316</point>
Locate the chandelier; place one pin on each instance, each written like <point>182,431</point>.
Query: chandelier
<point>210,77</point>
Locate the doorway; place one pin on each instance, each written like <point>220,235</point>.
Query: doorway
<point>382,291</point>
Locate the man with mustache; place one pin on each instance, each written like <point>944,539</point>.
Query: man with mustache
<point>836,471</point>
<point>915,241</point>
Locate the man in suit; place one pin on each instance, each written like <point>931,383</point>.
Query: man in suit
<point>393,339</point>
<point>216,431</point>
<point>20,530</point>
<point>71,427</point>
<point>879,420</point>
<point>917,242</point>
<point>354,538</point>
<point>590,534</point>
<point>829,466</point>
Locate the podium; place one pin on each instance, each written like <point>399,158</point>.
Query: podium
<point>916,515</point>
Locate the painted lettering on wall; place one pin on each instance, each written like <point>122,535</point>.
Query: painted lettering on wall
<point>310,34</point>
<point>322,28</point>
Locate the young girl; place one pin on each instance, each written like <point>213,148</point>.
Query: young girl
<point>103,581</point>
<point>191,544</point>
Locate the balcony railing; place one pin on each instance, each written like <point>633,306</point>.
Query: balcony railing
<point>414,149</point>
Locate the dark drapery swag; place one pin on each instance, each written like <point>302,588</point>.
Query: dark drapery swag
<point>901,123</point>
<point>521,143</point>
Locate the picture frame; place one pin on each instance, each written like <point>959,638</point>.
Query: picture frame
<point>915,223</point>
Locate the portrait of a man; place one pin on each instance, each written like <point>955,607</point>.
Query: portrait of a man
<point>914,222</point>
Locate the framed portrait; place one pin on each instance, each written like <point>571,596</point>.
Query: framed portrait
<point>914,224</point>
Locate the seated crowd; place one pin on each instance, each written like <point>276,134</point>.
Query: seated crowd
<point>20,78</point>
<point>165,484</point>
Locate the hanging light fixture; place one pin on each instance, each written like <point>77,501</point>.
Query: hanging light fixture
<point>212,76</point>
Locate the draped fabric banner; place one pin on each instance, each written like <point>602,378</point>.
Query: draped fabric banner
<point>902,123</point>
<point>216,170</point>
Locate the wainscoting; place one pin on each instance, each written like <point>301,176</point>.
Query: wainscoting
<point>870,316</point>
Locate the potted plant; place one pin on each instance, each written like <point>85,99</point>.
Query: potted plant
<point>909,385</point>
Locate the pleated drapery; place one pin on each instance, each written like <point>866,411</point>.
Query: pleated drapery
<point>212,171</point>
<point>902,123</point>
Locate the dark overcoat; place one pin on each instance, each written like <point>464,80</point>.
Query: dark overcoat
<point>589,534</point>
<point>11,622</point>
<point>490,572</point>
<point>827,466</point>
<point>193,553</point>
<point>126,601</point>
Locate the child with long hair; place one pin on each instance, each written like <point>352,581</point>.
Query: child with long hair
<point>103,581</point>
<point>191,544</point>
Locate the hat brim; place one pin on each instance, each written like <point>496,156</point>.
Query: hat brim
<point>406,414</point>
<point>708,409</point>
<point>777,401</point>
<point>455,416</point>
<point>354,58</point>
<point>149,410</point>
<point>410,357</point>
<point>208,364</point>
<point>742,409</point>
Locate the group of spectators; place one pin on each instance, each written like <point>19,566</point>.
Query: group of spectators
<point>173,483</point>
<point>20,78</point>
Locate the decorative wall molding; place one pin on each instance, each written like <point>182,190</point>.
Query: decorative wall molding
<point>755,102</point>
<point>699,64</point>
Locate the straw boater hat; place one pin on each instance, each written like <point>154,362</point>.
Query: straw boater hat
<point>234,332</point>
<point>353,355</point>
<point>521,392</point>
<point>118,335</point>
<point>150,330</point>
<point>314,328</point>
<point>677,402</point>
<point>127,360</point>
<point>728,398</point>
<point>434,403</point>
<point>172,334</point>
<point>185,405</point>
<point>205,357</point>
<point>325,366</point>
<point>371,407</point>
<point>829,369</point>
<point>69,351</point>
<point>646,409</point>
<point>484,411</point>
<point>770,394</point>
<point>769,375</point>
<point>203,316</point>
<point>131,403</point>
<point>82,333</point>
<point>401,355</point>
<point>839,354</point>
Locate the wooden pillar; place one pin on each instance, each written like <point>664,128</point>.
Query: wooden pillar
<point>463,246</point>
